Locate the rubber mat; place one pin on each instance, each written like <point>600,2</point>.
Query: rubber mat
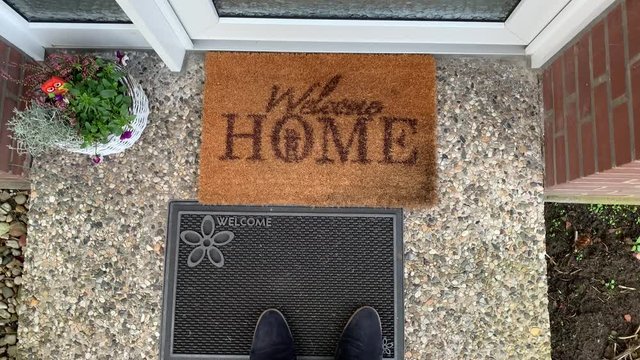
<point>225,265</point>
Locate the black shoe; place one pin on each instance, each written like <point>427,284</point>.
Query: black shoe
<point>362,337</point>
<point>272,339</point>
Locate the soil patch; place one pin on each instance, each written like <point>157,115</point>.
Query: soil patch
<point>591,305</point>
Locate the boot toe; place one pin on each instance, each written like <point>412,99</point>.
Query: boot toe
<point>362,337</point>
<point>272,339</point>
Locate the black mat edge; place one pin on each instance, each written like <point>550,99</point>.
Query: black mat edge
<point>174,208</point>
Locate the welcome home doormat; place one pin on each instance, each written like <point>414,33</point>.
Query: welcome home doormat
<point>319,129</point>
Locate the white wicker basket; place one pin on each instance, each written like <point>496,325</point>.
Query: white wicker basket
<point>139,108</point>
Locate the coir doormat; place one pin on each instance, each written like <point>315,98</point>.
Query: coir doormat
<point>318,129</point>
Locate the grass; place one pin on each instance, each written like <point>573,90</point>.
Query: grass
<point>636,246</point>
<point>613,214</point>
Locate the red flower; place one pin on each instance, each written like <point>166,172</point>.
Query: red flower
<point>54,86</point>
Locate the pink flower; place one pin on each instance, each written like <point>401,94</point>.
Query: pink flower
<point>96,159</point>
<point>121,58</point>
<point>126,135</point>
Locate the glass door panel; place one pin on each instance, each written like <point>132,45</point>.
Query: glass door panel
<point>458,10</point>
<point>70,11</point>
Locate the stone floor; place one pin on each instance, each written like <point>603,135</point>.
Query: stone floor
<point>475,268</point>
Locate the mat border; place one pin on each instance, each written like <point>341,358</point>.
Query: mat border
<point>177,207</point>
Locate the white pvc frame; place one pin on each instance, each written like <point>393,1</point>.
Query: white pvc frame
<point>202,22</point>
<point>536,28</point>
<point>210,32</point>
<point>33,38</point>
<point>576,16</point>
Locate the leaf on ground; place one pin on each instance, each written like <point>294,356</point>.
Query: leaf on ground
<point>627,318</point>
<point>582,241</point>
<point>535,331</point>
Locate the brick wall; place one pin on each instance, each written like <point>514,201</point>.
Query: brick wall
<point>619,185</point>
<point>591,94</point>
<point>13,166</point>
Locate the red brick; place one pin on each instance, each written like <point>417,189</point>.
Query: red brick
<point>5,138</point>
<point>601,111</point>
<point>588,151</point>
<point>17,163</point>
<point>633,27</point>
<point>549,176</point>
<point>11,163</point>
<point>3,48</point>
<point>572,141</point>
<point>570,71</point>
<point>13,87</point>
<point>14,70</point>
<point>617,67</point>
<point>635,85</point>
<point>7,113</point>
<point>547,93</point>
<point>561,162</point>
<point>634,166</point>
<point>598,54</point>
<point>15,56</point>
<point>558,95</point>
<point>23,103</point>
<point>603,178</point>
<point>621,134</point>
<point>584,77</point>
<point>29,72</point>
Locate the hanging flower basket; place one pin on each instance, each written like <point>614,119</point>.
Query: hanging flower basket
<point>79,103</point>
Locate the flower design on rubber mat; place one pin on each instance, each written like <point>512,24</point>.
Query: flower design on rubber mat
<point>387,346</point>
<point>206,243</point>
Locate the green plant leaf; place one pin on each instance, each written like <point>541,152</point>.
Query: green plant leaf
<point>108,93</point>
<point>100,103</point>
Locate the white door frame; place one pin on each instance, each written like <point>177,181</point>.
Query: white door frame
<point>209,31</point>
<point>33,38</point>
<point>574,18</point>
<point>155,25</point>
<point>536,28</point>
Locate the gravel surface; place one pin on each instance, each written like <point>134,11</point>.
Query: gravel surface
<point>13,239</point>
<point>475,267</point>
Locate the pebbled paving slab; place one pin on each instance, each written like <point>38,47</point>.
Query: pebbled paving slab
<point>475,273</point>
